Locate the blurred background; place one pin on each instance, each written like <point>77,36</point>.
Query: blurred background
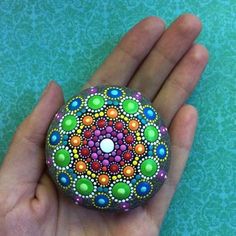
<point>67,40</point>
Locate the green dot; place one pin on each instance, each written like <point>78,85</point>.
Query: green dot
<point>130,106</point>
<point>151,133</point>
<point>121,190</point>
<point>84,186</point>
<point>69,123</point>
<point>149,167</point>
<point>96,102</point>
<point>62,158</point>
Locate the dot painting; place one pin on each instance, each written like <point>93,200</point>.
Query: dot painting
<point>108,149</point>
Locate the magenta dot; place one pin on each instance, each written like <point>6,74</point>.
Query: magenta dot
<point>122,147</point>
<point>120,142</point>
<point>97,132</point>
<point>95,139</point>
<point>119,152</point>
<point>111,159</point>
<point>120,136</point>
<point>113,134</point>
<point>91,143</point>
<point>100,158</point>
<point>94,155</point>
<point>117,158</point>
<point>105,162</point>
<point>109,129</point>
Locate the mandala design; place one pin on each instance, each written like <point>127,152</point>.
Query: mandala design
<point>108,149</point>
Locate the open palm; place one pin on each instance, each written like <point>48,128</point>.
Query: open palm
<point>165,66</point>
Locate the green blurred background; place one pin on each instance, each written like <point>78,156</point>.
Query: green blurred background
<point>67,40</point>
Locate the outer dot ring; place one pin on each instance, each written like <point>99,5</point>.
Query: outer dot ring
<point>107,149</point>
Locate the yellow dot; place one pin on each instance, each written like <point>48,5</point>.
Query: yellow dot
<point>138,138</point>
<point>119,176</point>
<point>96,115</point>
<point>101,113</point>
<point>76,156</point>
<point>79,131</point>
<point>122,116</point>
<point>126,118</point>
<point>89,172</point>
<point>81,127</point>
<point>135,163</point>
<point>136,158</point>
<point>114,177</point>
<point>93,175</point>
<point>137,134</point>
<point>74,150</point>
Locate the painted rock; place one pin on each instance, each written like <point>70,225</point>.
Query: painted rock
<point>108,149</point>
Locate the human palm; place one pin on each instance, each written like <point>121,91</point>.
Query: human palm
<point>165,66</point>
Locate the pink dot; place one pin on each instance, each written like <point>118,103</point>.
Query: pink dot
<point>117,158</point>
<point>97,132</point>
<point>109,129</point>
<point>123,147</point>
<point>105,162</point>
<point>94,155</point>
<point>120,136</point>
<point>91,143</point>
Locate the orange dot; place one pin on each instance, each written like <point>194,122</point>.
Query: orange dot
<point>75,141</point>
<point>80,166</point>
<point>103,179</point>
<point>133,125</point>
<point>112,113</point>
<point>128,171</point>
<point>139,149</point>
<point>87,120</point>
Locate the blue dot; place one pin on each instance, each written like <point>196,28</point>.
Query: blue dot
<point>75,104</point>
<point>55,138</point>
<point>101,200</point>
<point>161,151</point>
<point>143,188</point>
<point>64,179</point>
<point>149,113</point>
<point>114,93</point>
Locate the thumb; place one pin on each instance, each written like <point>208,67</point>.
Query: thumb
<point>24,162</point>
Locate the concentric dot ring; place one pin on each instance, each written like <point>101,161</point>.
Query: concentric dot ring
<point>108,149</point>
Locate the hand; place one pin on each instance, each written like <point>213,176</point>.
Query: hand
<point>165,65</point>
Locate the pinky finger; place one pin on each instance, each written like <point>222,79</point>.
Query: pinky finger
<point>182,131</point>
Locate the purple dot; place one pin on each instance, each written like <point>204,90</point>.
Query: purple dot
<point>117,158</point>
<point>94,149</point>
<point>49,161</point>
<point>92,90</point>
<point>105,162</point>
<point>58,116</point>
<point>91,143</point>
<point>103,132</point>
<point>113,133</point>
<point>94,155</point>
<point>122,147</point>
<point>117,146</point>
<point>163,129</point>
<point>97,144</point>
<point>119,135</point>
<point>99,152</point>
<point>113,153</point>
<point>97,132</point>
<point>108,135</point>
<point>162,175</point>
<point>115,139</point>
<point>100,158</point>
<point>106,155</point>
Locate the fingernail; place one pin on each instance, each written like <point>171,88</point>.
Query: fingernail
<point>47,89</point>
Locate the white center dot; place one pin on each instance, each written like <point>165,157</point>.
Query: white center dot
<point>107,145</point>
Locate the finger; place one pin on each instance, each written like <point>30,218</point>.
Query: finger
<point>182,131</point>
<point>171,47</point>
<point>126,57</point>
<point>24,162</point>
<point>181,83</point>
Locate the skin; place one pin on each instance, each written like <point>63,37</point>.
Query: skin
<point>165,65</point>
